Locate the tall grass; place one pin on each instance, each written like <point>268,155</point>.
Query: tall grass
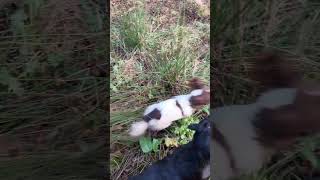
<point>51,105</point>
<point>164,62</point>
<point>133,29</point>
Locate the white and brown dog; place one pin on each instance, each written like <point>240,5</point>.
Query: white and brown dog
<point>159,116</point>
<point>245,137</point>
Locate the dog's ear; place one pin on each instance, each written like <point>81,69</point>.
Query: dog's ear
<point>274,71</point>
<point>202,125</point>
<point>196,83</point>
<point>277,128</point>
<point>282,126</point>
<point>200,100</point>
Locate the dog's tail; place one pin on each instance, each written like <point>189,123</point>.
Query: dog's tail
<point>138,128</point>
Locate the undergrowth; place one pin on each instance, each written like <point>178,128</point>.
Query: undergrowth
<point>52,103</point>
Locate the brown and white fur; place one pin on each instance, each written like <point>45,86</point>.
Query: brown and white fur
<point>251,134</point>
<point>161,115</point>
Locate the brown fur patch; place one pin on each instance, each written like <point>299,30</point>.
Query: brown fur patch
<point>155,114</point>
<point>196,83</point>
<point>280,127</point>
<point>273,71</point>
<point>200,100</point>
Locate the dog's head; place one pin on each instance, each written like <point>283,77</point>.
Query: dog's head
<point>200,97</point>
<point>196,83</point>
<point>202,126</point>
<point>272,70</point>
<point>280,127</point>
<point>202,133</point>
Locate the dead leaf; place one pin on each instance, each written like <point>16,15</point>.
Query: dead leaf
<point>116,127</point>
<point>171,142</point>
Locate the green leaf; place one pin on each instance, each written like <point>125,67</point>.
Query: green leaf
<point>206,110</point>
<point>155,145</point>
<point>184,135</point>
<point>146,144</point>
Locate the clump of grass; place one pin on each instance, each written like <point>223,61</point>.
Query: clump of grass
<point>162,66</point>
<point>133,29</point>
<point>173,55</point>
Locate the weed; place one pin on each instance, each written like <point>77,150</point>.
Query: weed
<point>148,144</point>
<point>133,29</point>
<point>181,131</point>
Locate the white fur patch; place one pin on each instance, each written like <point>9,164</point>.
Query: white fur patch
<point>235,124</point>
<point>206,172</point>
<point>169,113</point>
<point>220,167</point>
<point>184,102</point>
<point>277,97</point>
<point>196,92</point>
<point>138,128</point>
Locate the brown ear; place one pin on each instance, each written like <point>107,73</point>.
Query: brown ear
<point>282,126</point>
<point>273,71</point>
<point>202,99</point>
<point>196,83</point>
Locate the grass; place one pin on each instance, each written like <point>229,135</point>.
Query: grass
<point>240,31</point>
<point>133,27</point>
<point>156,48</point>
<point>52,106</point>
